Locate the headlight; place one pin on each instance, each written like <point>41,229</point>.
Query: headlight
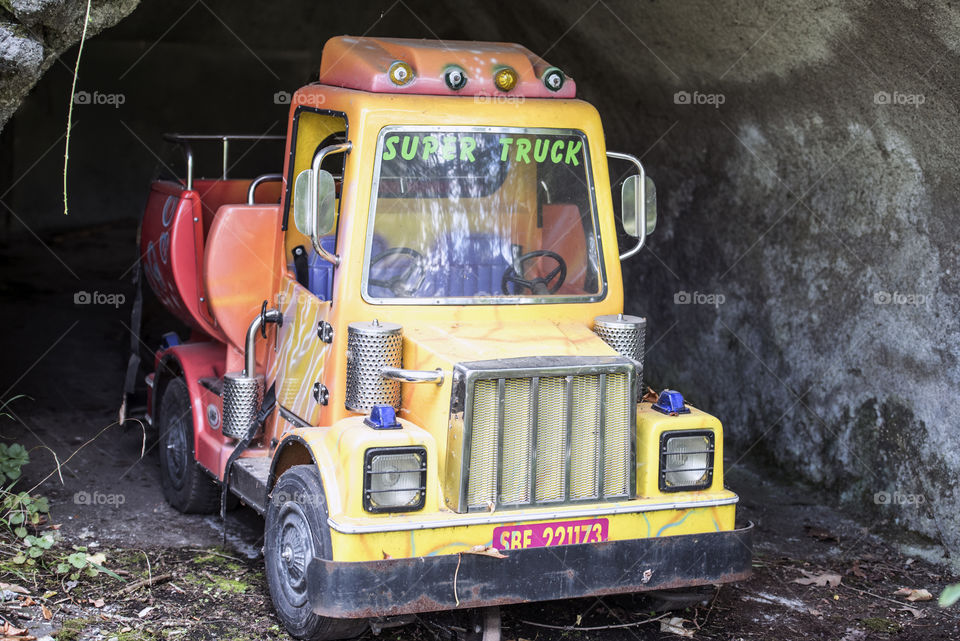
<point>394,479</point>
<point>686,460</point>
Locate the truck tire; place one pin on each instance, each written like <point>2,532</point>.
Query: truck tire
<point>295,530</point>
<point>186,486</point>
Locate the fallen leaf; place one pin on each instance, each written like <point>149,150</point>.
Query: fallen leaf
<point>47,614</point>
<point>675,626</point>
<point>823,579</point>
<point>646,576</point>
<point>49,594</point>
<point>486,550</point>
<point>650,396</point>
<point>28,600</point>
<point>98,603</point>
<point>914,595</point>
<point>856,571</point>
<point>144,612</point>
<point>917,614</point>
<point>816,613</point>
<point>14,588</point>
<point>385,555</point>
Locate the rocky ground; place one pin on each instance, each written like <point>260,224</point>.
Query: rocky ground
<point>818,573</point>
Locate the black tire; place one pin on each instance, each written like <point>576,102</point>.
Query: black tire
<point>296,529</point>
<point>186,486</point>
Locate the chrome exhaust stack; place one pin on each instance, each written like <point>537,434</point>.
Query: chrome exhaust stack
<point>627,335</point>
<point>243,391</point>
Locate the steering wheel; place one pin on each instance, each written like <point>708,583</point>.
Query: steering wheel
<point>400,284</point>
<point>536,285</point>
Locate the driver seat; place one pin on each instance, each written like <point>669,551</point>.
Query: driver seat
<point>466,265</point>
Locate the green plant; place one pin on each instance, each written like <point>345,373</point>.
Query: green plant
<point>81,562</point>
<point>950,595</point>
<point>12,459</point>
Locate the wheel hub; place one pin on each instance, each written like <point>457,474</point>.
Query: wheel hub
<point>177,452</point>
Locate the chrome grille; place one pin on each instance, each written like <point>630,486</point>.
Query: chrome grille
<point>541,431</point>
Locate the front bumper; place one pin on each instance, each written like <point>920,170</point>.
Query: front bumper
<point>454,581</point>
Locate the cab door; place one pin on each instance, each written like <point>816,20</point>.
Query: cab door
<point>299,370</point>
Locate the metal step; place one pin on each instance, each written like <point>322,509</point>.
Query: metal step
<point>248,480</point>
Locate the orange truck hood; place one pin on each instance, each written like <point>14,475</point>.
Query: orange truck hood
<point>444,345</point>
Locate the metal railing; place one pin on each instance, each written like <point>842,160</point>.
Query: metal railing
<point>184,141</point>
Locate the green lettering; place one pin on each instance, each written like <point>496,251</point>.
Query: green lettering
<point>430,145</point>
<point>408,151</point>
<point>573,149</point>
<point>540,150</point>
<point>523,150</point>
<point>505,143</point>
<point>391,147</point>
<point>467,145</point>
<point>449,150</point>
<point>556,152</point>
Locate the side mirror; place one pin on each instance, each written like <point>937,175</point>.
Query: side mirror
<point>309,221</point>
<point>638,199</point>
<point>638,206</point>
<point>650,203</point>
<point>315,201</point>
<point>631,205</point>
<point>303,218</point>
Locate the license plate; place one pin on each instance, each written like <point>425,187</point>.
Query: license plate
<point>540,535</point>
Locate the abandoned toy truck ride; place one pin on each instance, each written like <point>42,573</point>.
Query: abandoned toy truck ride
<point>409,352</point>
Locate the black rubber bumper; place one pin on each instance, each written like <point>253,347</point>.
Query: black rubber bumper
<point>426,584</point>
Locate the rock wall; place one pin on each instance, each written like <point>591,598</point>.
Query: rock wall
<point>34,33</point>
<point>801,282</point>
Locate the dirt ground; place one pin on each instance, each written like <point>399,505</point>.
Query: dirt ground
<point>68,360</point>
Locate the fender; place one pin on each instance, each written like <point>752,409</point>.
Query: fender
<point>194,361</point>
<point>338,452</point>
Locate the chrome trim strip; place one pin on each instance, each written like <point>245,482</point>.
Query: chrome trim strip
<point>643,199</point>
<point>413,375</point>
<point>534,435</point>
<point>501,418</point>
<point>292,418</point>
<point>507,518</point>
<point>340,148</point>
<point>602,445</point>
<point>588,168</point>
<point>568,426</point>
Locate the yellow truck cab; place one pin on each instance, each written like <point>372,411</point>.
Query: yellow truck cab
<point>410,352</point>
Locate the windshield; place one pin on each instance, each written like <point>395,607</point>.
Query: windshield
<point>480,215</point>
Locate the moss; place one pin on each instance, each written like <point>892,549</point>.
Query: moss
<point>71,629</point>
<point>220,583</point>
<point>880,624</point>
